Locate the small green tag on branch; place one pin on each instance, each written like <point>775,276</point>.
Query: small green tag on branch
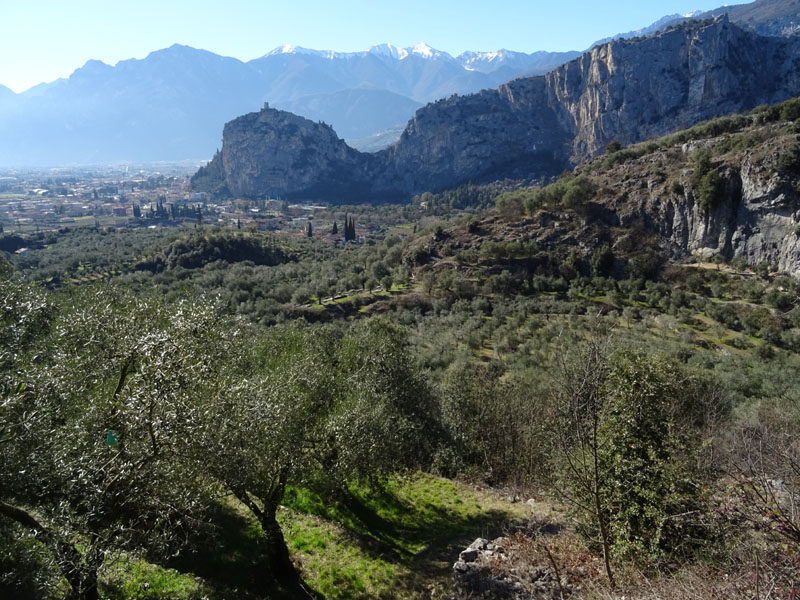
<point>111,438</point>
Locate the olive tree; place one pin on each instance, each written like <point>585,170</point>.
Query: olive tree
<point>309,404</point>
<point>96,420</point>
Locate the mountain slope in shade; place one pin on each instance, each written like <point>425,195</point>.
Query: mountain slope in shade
<point>355,113</point>
<point>150,109</point>
<point>7,97</point>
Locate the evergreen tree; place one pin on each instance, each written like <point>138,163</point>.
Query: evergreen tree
<point>349,229</point>
<point>309,230</point>
<point>334,229</point>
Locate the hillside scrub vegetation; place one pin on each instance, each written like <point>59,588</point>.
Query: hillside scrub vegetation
<point>220,413</point>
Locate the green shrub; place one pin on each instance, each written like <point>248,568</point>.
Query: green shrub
<point>790,110</point>
<point>578,192</point>
<point>709,191</point>
<point>646,452</point>
<point>613,146</point>
<point>788,162</point>
<point>602,261</point>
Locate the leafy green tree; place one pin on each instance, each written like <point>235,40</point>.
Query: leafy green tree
<point>308,407</point>
<point>602,261</point>
<point>96,425</point>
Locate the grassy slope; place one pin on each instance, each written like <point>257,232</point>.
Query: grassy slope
<point>394,540</point>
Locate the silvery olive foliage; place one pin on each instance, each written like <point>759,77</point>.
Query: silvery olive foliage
<point>101,395</point>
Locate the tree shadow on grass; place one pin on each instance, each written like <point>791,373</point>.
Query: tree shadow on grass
<point>422,535</point>
<point>231,559</point>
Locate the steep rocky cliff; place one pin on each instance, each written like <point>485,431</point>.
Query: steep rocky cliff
<point>532,127</point>
<point>630,91</point>
<point>276,153</point>
<point>755,212</point>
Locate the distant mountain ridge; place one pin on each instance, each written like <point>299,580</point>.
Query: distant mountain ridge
<point>172,104</point>
<point>527,128</point>
<point>660,25</point>
<point>765,17</point>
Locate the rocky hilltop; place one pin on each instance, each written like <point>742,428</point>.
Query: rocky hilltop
<point>625,90</point>
<point>276,153</point>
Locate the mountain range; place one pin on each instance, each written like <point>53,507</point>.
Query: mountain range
<point>172,104</point>
<point>624,90</point>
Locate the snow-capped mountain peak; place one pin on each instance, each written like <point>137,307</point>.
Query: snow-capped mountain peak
<point>388,50</point>
<point>292,49</point>
<point>422,50</point>
<point>385,50</point>
<point>425,51</point>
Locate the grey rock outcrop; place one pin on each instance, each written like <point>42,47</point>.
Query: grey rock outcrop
<point>756,216</point>
<point>276,153</point>
<point>758,221</point>
<point>631,91</point>
<point>530,127</point>
<point>488,570</point>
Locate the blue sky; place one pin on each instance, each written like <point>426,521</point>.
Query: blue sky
<point>41,40</point>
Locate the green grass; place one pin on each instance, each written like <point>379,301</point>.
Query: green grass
<point>392,539</point>
<point>139,580</point>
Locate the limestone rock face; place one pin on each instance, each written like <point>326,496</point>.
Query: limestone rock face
<point>757,218</point>
<point>624,90</point>
<point>630,91</point>
<point>508,132</point>
<point>276,153</point>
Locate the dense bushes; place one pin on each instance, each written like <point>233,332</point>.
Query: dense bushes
<point>708,185</point>
<point>570,191</point>
<point>198,250</point>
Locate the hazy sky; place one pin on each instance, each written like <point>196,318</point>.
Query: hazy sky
<point>42,40</point>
